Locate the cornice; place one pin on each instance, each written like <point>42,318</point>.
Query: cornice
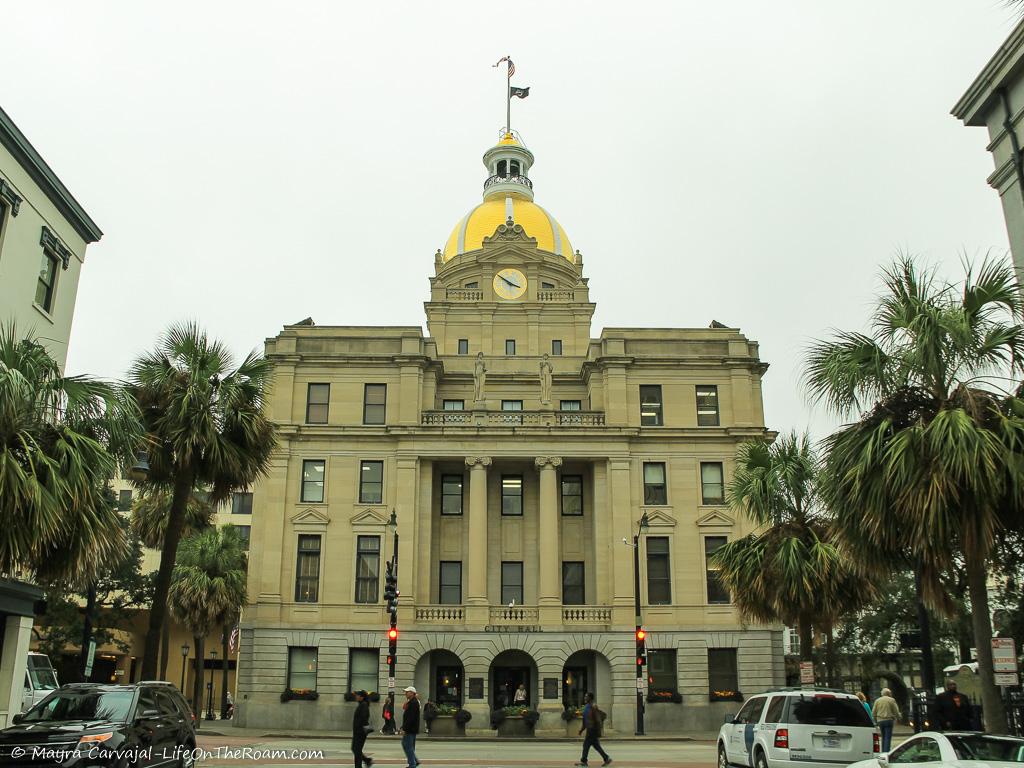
<point>28,158</point>
<point>9,196</point>
<point>1006,59</point>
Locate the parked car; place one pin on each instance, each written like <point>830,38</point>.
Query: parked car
<point>93,724</point>
<point>40,679</point>
<point>796,726</point>
<point>957,750</point>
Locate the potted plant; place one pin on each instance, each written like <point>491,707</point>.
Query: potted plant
<point>448,720</point>
<point>664,697</point>
<point>516,721</point>
<point>725,695</point>
<point>302,694</point>
<point>571,716</point>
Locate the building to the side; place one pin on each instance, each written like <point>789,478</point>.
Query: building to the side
<point>518,454</point>
<point>43,235</point>
<point>995,101</point>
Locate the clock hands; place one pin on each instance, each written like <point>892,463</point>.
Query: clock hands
<point>514,285</point>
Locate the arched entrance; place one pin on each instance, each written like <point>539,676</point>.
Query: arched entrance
<point>509,671</point>
<point>440,674</point>
<point>586,672</point>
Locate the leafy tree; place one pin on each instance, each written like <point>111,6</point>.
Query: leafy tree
<point>208,588</point>
<point>788,570</point>
<point>206,429</point>
<point>61,438</point>
<point>934,462</point>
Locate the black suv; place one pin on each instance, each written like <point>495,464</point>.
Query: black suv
<point>91,724</point>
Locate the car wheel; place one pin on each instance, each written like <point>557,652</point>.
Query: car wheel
<point>723,759</point>
<point>760,761</point>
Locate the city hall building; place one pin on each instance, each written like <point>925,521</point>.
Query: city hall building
<point>518,454</point>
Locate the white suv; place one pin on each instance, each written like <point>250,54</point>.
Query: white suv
<point>798,727</point>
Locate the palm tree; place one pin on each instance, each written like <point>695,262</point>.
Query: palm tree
<point>209,585</point>
<point>61,439</point>
<point>789,570</point>
<point>206,428</point>
<point>933,465</point>
<point>150,515</point>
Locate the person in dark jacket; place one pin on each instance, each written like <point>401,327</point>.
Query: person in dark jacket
<point>410,726</point>
<point>388,713</point>
<point>361,727</point>
<point>953,709</point>
<point>593,723</point>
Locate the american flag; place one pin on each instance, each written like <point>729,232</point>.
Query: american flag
<point>511,66</point>
<point>233,639</point>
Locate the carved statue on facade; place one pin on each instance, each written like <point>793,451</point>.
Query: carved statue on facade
<point>545,380</point>
<point>479,377</point>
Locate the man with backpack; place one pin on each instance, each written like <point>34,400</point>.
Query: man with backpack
<point>593,724</point>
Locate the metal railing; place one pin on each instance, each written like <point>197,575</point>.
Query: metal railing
<point>492,180</point>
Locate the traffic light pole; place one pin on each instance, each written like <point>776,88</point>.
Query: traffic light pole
<point>640,646</point>
<point>391,595</point>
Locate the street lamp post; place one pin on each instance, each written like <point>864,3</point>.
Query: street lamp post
<point>184,662</point>
<point>209,697</point>
<point>640,635</point>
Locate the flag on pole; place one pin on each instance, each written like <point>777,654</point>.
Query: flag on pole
<point>233,639</point>
<point>511,66</point>
<point>519,93</point>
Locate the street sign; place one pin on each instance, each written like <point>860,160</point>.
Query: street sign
<point>806,673</point>
<point>1007,678</point>
<point>391,682</point>
<point>89,658</point>
<point>640,684</point>
<point>1004,656</point>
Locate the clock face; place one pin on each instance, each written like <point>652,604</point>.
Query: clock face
<point>509,284</point>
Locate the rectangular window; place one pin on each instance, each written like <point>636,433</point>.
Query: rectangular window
<point>463,346</point>
<point>313,480</point>
<point>707,406</point>
<point>510,346</point>
<point>556,347</point>
<point>572,495</point>
<point>650,405</point>
<point>46,281</point>
<point>712,486</point>
<point>472,284</point>
<point>318,398</point>
<point>241,503</point>
<point>374,403</point>
<point>450,583</point>
<point>307,569</point>
<point>723,680</point>
<point>124,501</point>
<point>570,405</point>
<point>511,583</point>
<point>367,568</point>
<point>371,482</point>
<point>573,583</point>
<point>302,669</point>
<point>661,671</point>
<point>511,405</point>
<point>659,574</point>
<point>362,669</point>
<point>717,593</point>
<point>511,494</point>
<point>654,483</point>
<point>546,286</point>
<point>244,533</point>
<point>454,405</point>
<point>451,494</point>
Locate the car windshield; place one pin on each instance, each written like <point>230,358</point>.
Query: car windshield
<point>81,705</point>
<point>979,747</point>
<point>41,672</point>
<point>829,710</point>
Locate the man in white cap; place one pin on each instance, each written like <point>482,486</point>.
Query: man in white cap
<point>410,726</point>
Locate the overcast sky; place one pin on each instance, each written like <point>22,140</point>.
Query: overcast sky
<point>752,162</point>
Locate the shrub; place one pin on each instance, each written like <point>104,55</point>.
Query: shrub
<point>463,716</point>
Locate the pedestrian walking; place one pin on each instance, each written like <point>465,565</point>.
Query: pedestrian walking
<point>429,715</point>
<point>886,712</point>
<point>593,724</point>
<point>864,700</point>
<point>360,728</point>
<point>410,726</point>
<point>520,695</point>
<point>388,715</point>
<point>953,709</point>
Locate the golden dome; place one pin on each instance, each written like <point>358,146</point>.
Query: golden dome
<point>481,222</point>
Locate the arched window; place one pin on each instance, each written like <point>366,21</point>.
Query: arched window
<point>502,168</point>
<point>514,165</point>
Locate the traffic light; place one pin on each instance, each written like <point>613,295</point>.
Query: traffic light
<point>392,650</point>
<point>390,587</point>
<point>641,647</point>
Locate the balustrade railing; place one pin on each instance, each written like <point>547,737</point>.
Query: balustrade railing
<point>587,615</point>
<point>465,294</point>
<point>517,614</point>
<point>514,418</point>
<point>439,614</point>
<point>556,295</point>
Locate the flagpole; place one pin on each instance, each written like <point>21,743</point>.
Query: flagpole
<point>508,98</point>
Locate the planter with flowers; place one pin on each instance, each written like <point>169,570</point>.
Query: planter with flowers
<point>449,721</point>
<point>515,721</point>
<point>664,697</point>
<point>725,695</point>
<point>299,694</point>
<point>573,719</point>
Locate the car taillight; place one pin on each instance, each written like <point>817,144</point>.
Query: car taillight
<point>782,738</point>
<point>876,742</point>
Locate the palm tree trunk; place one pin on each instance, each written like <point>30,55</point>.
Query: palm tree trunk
<point>806,639</point>
<point>158,611</point>
<point>925,625</point>
<point>165,649</point>
<point>224,674</point>
<point>977,583</point>
<point>87,620</point>
<point>197,680</point>
<point>830,656</point>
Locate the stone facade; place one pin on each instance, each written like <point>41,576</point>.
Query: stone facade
<point>512,449</point>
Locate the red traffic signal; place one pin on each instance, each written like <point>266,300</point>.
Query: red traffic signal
<point>640,635</point>
<point>392,634</point>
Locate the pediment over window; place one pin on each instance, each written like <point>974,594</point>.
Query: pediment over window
<point>716,518</point>
<point>659,519</point>
<point>368,517</point>
<point>310,517</point>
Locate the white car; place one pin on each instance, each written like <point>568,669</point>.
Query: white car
<point>954,749</point>
<point>798,728</point>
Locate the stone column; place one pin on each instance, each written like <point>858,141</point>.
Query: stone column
<point>17,632</point>
<point>620,525</point>
<point>407,514</point>
<point>477,607</point>
<point>549,591</point>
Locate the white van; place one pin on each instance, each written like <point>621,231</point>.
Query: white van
<point>40,680</point>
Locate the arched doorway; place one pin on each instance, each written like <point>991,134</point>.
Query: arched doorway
<point>440,674</point>
<point>509,671</point>
<point>586,672</point>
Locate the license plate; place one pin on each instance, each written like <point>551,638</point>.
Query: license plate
<point>831,742</point>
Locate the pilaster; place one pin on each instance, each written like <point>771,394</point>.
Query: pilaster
<point>271,508</point>
<point>620,513</point>
<point>477,606</point>
<point>407,471</point>
<point>549,589</point>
